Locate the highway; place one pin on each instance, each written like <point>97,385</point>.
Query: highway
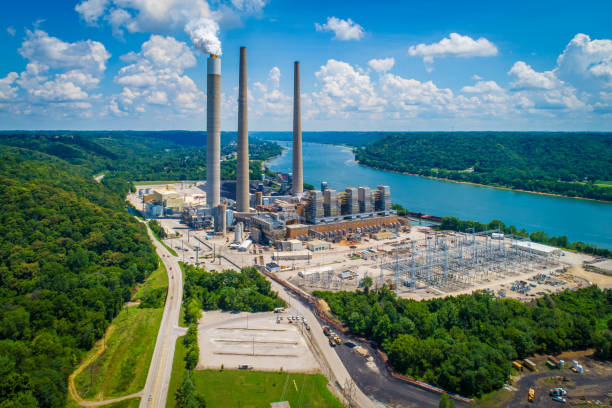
<point>158,380</point>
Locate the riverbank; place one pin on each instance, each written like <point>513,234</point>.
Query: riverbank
<point>579,220</point>
<point>469,183</point>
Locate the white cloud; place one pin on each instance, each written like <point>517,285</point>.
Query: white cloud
<point>344,30</point>
<point>543,89</point>
<point>527,78</point>
<point>382,65</point>
<point>91,10</point>
<point>90,56</point>
<point>345,89</point>
<point>155,77</point>
<point>268,100</point>
<point>483,87</point>
<point>274,76</point>
<point>250,6</point>
<point>411,95</point>
<point>456,45</point>
<point>165,16</point>
<point>58,77</point>
<point>11,31</point>
<point>586,63</point>
<point>8,92</point>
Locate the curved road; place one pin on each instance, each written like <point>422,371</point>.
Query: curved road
<point>155,390</point>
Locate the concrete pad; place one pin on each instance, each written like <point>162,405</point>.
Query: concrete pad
<point>261,344</point>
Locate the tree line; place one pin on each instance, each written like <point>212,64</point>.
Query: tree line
<point>466,343</point>
<point>230,290</point>
<point>569,164</point>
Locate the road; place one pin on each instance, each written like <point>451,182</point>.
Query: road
<point>155,390</point>
<point>330,358</point>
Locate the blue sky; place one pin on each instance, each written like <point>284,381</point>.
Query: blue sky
<point>388,65</point>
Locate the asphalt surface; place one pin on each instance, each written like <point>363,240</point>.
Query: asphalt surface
<point>378,383</point>
<point>155,390</point>
<point>542,399</point>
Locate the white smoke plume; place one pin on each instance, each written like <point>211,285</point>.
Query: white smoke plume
<point>204,35</point>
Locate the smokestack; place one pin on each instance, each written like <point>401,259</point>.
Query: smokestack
<point>298,178</point>
<point>242,166</point>
<point>213,132</point>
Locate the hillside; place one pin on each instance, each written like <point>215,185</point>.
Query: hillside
<point>571,164</point>
<point>69,256</point>
<point>70,253</point>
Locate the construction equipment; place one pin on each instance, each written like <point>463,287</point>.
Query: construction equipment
<point>531,396</point>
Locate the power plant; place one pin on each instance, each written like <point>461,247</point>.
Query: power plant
<point>297,186</point>
<point>349,231</point>
<point>340,212</point>
<point>242,165</point>
<point>213,132</point>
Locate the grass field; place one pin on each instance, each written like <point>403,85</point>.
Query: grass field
<point>251,389</point>
<point>122,368</point>
<point>603,183</point>
<point>129,403</point>
<point>158,279</point>
<point>493,399</point>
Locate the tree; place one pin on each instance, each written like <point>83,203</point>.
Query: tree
<point>366,283</point>
<point>446,402</point>
<point>186,396</point>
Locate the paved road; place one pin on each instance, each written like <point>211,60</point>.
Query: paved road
<point>158,380</point>
<point>378,383</point>
<point>330,358</point>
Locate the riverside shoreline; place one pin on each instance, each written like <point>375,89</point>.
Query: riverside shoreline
<point>482,185</point>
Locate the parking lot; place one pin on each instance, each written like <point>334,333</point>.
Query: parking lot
<point>254,341</point>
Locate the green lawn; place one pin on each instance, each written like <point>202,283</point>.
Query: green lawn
<point>493,399</point>
<point>158,279</point>
<point>603,183</point>
<point>122,368</point>
<point>251,389</point>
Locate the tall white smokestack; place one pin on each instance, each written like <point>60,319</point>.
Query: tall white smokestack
<point>298,178</point>
<point>213,132</point>
<point>242,165</point>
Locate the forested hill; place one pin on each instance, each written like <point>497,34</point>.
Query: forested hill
<point>131,156</point>
<point>571,164</point>
<point>69,256</point>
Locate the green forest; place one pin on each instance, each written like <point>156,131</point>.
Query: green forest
<point>246,290</point>
<point>69,257</point>
<point>70,253</point>
<point>465,344</point>
<point>569,164</point>
<point>134,156</point>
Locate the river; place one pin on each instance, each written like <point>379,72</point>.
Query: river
<point>579,220</point>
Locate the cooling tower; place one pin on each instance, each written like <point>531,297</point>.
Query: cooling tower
<point>242,166</point>
<point>213,132</point>
<point>298,177</point>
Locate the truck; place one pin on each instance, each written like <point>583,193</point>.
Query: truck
<point>531,395</point>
